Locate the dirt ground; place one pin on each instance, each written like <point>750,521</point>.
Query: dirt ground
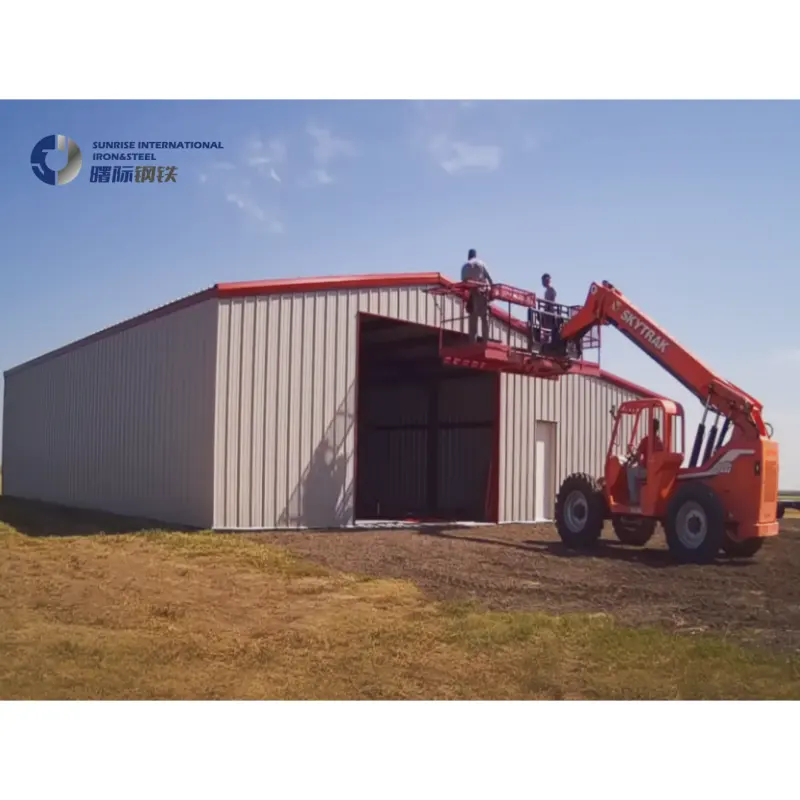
<point>524,567</point>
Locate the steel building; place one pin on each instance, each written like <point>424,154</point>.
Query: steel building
<point>298,403</point>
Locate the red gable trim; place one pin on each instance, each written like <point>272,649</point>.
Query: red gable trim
<point>331,284</point>
<point>324,284</point>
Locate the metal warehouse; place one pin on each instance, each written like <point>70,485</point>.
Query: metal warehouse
<point>300,403</point>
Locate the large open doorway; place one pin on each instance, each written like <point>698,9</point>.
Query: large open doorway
<point>427,434</point>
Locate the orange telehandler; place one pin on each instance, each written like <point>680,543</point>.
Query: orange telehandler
<point>725,499</point>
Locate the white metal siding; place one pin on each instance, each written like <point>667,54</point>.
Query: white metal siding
<point>122,424</point>
<point>581,408</point>
<point>286,401</point>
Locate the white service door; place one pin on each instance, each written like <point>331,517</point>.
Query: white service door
<point>544,465</point>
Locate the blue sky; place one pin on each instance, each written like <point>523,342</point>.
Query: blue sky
<point>691,209</point>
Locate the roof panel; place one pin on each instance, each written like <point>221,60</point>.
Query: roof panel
<point>317,284</point>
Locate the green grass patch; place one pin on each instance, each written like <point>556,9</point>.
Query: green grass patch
<point>163,615</point>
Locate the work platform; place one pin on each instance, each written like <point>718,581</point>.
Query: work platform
<point>544,355</point>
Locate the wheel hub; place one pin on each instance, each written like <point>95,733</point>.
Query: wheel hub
<point>691,525</point>
<point>576,511</point>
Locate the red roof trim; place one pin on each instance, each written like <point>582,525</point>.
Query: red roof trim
<point>590,370</point>
<point>318,284</point>
<point>331,284</point>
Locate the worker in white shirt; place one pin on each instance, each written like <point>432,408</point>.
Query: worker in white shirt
<point>474,271</point>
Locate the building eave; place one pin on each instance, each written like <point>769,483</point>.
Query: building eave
<point>317,284</point>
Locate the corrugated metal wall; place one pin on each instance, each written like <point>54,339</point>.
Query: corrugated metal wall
<point>392,451</point>
<point>467,417</point>
<point>396,455</point>
<point>122,424</point>
<point>286,402</point>
<point>581,408</point>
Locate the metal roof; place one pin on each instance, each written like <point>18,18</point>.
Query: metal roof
<point>318,284</point>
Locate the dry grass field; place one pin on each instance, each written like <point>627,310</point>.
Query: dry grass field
<point>93,606</point>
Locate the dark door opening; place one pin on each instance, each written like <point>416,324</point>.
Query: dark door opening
<point>426,433</point>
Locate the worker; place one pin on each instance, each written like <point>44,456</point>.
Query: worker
<point>637,470</point>
<point>475,272</point>
<point>549,291</point>
<point>549,321</point>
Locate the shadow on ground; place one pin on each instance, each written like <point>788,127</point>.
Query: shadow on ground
<point>32,518</point>
<point>607,549</point>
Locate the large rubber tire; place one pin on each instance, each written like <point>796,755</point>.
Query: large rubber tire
<point>636,531</point>
<point>580,511</point>
<point>746,548</point>
<point>695,524</point>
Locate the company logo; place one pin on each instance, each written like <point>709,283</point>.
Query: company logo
<point>643,330</point>
<point>39,160</point>
<point>724,466</point>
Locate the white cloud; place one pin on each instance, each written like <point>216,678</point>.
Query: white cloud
<point>471,135</point>
<point>245,204</point>
<point>328,147</point>
<point>321,176</point>
<point>264,166</point>
<point>265,156</point>
<point>272,151</point>
<point>252,209</point>
<point>436,127</point>
<point>242,186</point>
<point>456,156</point>
<point>316,177</point>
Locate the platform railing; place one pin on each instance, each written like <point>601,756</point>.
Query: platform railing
<point>544,318</point>
<point>548,317</point>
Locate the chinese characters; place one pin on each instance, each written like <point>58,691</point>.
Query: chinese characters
<point>119,174</point>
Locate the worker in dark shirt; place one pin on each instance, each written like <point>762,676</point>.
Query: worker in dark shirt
<point>549,291</point>
<point>548,317</point>
<point>637,464</point>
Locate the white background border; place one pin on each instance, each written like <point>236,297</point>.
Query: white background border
<point>565,49</point>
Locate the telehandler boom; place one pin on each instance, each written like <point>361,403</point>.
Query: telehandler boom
<point>725,498</point>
